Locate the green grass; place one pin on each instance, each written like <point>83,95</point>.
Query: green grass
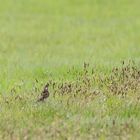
<point>43,40</point>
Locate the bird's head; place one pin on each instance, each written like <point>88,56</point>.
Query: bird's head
<point>46,86</point>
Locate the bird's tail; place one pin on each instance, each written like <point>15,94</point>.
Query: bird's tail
<point>40,99</point>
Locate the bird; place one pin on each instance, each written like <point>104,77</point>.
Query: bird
<point>45,93</point>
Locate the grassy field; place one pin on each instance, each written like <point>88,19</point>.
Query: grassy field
<point>73,45</point>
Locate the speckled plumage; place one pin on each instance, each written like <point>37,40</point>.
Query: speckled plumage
<point>45,94</point>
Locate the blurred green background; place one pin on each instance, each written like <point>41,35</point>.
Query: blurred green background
<point>43,36</point>
<point>42,39</point>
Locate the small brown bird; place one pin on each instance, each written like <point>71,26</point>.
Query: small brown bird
<point>45,94</point>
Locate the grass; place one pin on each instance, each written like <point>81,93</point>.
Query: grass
<point>42,40</point>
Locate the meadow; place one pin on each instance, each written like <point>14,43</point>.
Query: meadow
<point>89,53</point>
